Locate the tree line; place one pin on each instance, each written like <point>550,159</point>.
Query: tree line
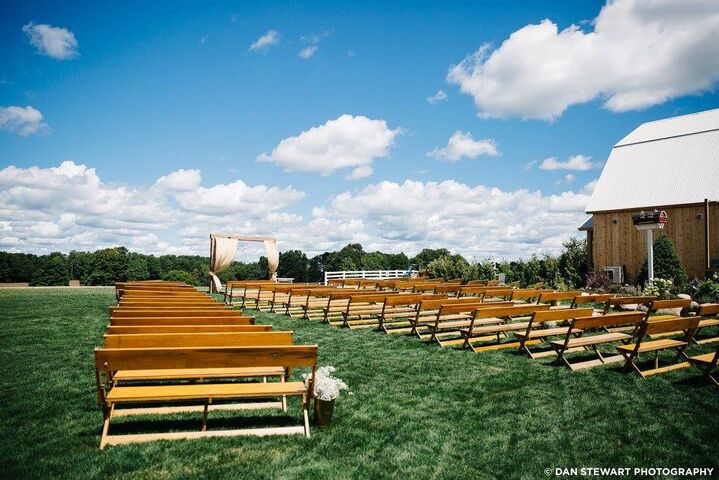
<point>106,266</point>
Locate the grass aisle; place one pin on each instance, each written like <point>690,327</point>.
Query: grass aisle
<point>417,411</point>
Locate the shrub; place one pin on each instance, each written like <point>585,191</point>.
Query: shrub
<point>666,262</point>
<point>180,276</point>
<point>660,288</point>
<point>447,267</point>
<point>598,281</point>
<point>483,270</point>
<point>706,291</point>
<point>573,262</point>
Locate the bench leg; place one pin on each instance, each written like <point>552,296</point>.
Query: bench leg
<point>305,405</point>
<point>284,397</point>
<point>106,426</point>
<point>204,415</point>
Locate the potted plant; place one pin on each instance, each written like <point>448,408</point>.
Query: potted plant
<point>327,389</point>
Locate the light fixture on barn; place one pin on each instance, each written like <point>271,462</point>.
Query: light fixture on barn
<point>650,221</point>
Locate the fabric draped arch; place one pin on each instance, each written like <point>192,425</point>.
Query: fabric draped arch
<point>223,249</point>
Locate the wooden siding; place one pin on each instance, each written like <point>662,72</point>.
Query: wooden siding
<point>622,244</point>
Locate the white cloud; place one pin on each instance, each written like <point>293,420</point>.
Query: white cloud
<point>23,121</point>
<point>440,96</point>
<point>308,52</point>
<point>272,37</point>
<point>238,197</point>
<point>568,178</point>
<point>461,144</point>
<point>55,42</point>
<point>179,181</point>
<point>69,206</point>
<point>478,221</point>
<point>575,162</point>
<point>639,53</point>
<point>347,142</point>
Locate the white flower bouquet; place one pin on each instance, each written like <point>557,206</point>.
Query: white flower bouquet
<point>327,386</point>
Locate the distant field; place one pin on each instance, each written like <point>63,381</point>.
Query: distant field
<point>417,411</point>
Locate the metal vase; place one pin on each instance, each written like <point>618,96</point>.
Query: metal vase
<point>323,412</point>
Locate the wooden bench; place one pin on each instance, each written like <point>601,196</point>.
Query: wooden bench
<point>337,302</point>
<point>537,329</point>
<point>397,311</point>
<point>118,312</point>
<point>527,295</point>
<point>615,302</point>
<point>710,318</point>
<point>181,340</point>
<point>452,318</point>
<point>572,343</point>
<point>641,345</point>
<point>484,329</point>
<point>111,396</point>
<point>281,294</point>
<point>596,298</point>
<point>555,298</point>
<point>707,364</point>
<point>153,320</point>
<point>130,329</point>
<point>363,311</point>
<point>428,310</point>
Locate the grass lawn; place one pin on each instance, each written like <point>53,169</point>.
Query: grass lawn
<point>417,411</point>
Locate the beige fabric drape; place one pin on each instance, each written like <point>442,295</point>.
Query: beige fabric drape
<point>273,258</point>
<point>224,250</point>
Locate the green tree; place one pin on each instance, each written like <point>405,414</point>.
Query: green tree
<point>137,267</point>
<point>109,265</point>
<point>53,270</point>
<point>349,258</point>
<point>573,262</point>
<point>179,276</point>
<point>666,262</point>
<point>374,261</point>
<point>293,264</point>
<point>448,267</point>
<point>397,261</point>
<point>423,258</point>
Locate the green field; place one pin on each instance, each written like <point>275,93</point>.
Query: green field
<point>417,411</point>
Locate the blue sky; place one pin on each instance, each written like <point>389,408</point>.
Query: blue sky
<point>151,88</point>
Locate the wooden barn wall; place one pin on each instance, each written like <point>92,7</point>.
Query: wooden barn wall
<point>622,244</point>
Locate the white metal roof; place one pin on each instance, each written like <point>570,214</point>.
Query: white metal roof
<point>673,161</point>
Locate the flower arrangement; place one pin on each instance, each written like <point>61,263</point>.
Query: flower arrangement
<point>327,386</point>
<point>660,288</point>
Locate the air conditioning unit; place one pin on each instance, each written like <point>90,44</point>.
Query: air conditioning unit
<point>616,273</point>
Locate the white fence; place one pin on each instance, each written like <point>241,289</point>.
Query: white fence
<point>369,274</point>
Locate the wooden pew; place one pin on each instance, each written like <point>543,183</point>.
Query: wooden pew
<point>136,329</point>
<point>710,318</point>
<point>337,303</point>
<point>641,345</point>
<point>172,312</point>
<point>555,298</point>
<point>113,397</point>
<point>450,318</point>
<point>213,339</point>
<point>585,342</point>
<point>483,327</point>
<point>428,310</point>
<point>537,328</point>
<point>707,364</point>
<point>282,292</point>
<point>153,320</point>
<point>398,310</point>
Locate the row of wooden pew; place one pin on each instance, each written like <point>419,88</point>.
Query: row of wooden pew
<point>536,322</point>
<point>168,344</point>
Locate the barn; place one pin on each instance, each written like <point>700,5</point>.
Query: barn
<point>671,165</point>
